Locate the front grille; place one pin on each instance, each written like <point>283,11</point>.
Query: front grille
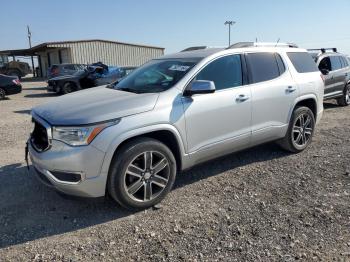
<point>51,83</point>
<point>39,137</point>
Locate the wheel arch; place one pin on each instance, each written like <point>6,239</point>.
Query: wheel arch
<point>166,134</point>
<point>309,101</point>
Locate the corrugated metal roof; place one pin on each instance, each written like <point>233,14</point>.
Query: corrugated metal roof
<point>94,40</point>
<point>46,45</point>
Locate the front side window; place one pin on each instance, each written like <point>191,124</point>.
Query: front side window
<point>335,62</point>
<point>262,67</point>
<point>225,72</point>
<point>157,75</point>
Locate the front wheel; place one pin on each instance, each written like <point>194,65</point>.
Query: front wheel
<point>68,87</point>
<point>142,173</point>
<point>300,130</point>
<point>345,99</point>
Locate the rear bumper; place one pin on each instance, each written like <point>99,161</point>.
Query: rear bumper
<point>319,116</point>
<point>14,90</point>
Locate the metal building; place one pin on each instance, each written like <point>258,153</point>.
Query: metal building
<point>88,51</point>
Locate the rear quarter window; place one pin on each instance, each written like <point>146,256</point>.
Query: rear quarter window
<point>302,62</point>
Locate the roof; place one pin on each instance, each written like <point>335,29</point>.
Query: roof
<point>50,45</point>
<point>202,53</point>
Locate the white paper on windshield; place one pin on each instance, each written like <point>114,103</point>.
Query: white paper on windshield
<point>181,68</point>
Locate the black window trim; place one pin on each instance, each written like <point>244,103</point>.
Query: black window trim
<point>249,72</point>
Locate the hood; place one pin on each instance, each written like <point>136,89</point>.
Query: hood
<point>94,105</point>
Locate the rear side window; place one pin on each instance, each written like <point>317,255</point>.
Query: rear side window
<point>302,62</point>
<point>263,67</point>
<point>344,61</point>
<point>69,67</point>
<point>225,72</point>
<point>335,62</point>
<point>280,64</point>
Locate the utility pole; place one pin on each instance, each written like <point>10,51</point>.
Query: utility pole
<point>229,23</point>
<point>30,46</point>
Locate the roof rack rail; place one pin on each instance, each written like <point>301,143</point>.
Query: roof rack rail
<point>323,50</point>
<point>192,48</point>
<point>261,44</point>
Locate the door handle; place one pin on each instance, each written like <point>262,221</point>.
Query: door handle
<point>242,98</point>
<point>290,89</point>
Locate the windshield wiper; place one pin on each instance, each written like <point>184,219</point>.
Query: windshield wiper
<point>126,89</point>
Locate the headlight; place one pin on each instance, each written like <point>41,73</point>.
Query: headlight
<point>80,135</point>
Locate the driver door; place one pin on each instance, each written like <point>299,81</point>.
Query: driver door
<point>220,122</point>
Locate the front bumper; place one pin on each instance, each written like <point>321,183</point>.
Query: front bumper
<point>51,88</point>
<point>85,161</point>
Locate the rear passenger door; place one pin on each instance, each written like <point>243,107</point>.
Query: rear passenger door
<point>325,64</point>
<point>273,94</point>
<point>338,76</point>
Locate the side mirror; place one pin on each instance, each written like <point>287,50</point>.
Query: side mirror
<point>324,71</point>
<point>200,87</point>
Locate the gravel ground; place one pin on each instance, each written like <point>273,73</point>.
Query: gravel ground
<point>259,204</point>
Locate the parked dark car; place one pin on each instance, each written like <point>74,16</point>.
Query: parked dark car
<point>91,76</point>
<point>9,85</point>
<point>64,69</point>
<point>335,68</point>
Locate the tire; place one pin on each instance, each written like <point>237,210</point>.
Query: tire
<point>132,189</point>
<point>300,130</point>
<point>68,87</point>
<point>2,94</point>
<point>345,99</point>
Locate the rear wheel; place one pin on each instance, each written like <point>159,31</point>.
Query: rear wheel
<point>345,99</point>
<point>142,173</point>
<point>300,130</point>
<point>2,94</point>
<point>69,87</point>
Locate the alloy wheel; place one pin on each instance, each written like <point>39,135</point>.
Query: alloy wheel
<point>302,130</point>
<point>347,95</point>
<point>146,176</point>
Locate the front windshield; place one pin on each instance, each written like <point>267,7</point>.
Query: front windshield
<point>156,76</point>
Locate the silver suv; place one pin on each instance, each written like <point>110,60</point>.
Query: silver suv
<point>130,139</point>
<point>336,70</point>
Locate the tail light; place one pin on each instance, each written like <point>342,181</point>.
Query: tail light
<point>16,82</point>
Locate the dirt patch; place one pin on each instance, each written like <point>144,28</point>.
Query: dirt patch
<point>259,204</point>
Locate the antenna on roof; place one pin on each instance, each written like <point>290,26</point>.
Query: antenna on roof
<point>277,41</point>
